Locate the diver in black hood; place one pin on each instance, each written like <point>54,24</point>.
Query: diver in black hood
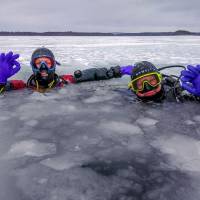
<point>148,83</point>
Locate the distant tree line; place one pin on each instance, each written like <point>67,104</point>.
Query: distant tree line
<point>71,33</point>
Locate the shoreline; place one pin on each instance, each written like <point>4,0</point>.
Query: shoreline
<point>70,33</point>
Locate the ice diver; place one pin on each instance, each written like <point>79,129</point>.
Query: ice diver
<point>147,81</point>
<point>149,84</point>
<point>44,75</point>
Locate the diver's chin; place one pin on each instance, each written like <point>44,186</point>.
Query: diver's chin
<point>150,93</point>
<point>43,80</point>
<point>44,75</point>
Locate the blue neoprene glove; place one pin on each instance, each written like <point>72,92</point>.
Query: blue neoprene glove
<point>126,70</point>
<point>191,79</point>
<point>8,66</point>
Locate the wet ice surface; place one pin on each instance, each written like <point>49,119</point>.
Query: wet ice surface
<point>93,141</point>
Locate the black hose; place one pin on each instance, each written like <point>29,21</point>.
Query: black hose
<point>177,78</point>
<point>171,66</point>
<point>165,75</point>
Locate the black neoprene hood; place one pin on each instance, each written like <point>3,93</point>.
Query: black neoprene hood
<point>42,52</point>
<point>142,68</point>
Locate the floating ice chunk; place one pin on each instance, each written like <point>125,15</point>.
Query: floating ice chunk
<point>83,123</point>
<point>153,112</point>
<point>144,121</point>
<point>101,96</point>
<point>6,115</point>
<point>68,108</point>
<point>120,128</point>
<point>183,151</point>
<point>66,161</point>
<point>189,122</point>
<point>32,122</point>
<point>32,110</point>
<point>197,118</point>
<point>40,110</point>
<point>43,96</point>
<point>192,165</point>
<point>198,130</point>
<point>138,144</point>
<point>37,96</point>
<point>30,148</point>
<point>42,180</point>
<point>107,109</point>
<point>4,118</point>
<point>96,99</point>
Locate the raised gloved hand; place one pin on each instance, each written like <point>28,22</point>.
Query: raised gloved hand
<point>191,79</point>
<point>126,70</point>
<point>8,66</point>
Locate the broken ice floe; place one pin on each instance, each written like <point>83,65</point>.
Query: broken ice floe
<point>30,148</point>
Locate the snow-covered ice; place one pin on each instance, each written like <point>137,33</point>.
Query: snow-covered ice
<point>93,141</point>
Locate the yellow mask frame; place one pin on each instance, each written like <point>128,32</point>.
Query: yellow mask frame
<point>132,83</point>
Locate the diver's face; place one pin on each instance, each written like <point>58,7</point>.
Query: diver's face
<point>149,91</point>
<point>147,85</point>
<point>44,65</point>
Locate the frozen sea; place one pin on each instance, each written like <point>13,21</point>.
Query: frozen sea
<point>93,141</point>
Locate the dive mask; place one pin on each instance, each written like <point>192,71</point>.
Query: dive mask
<point>139,84</point>
<point>43,64</point>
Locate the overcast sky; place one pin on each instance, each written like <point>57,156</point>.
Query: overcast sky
<point>99,15</point>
